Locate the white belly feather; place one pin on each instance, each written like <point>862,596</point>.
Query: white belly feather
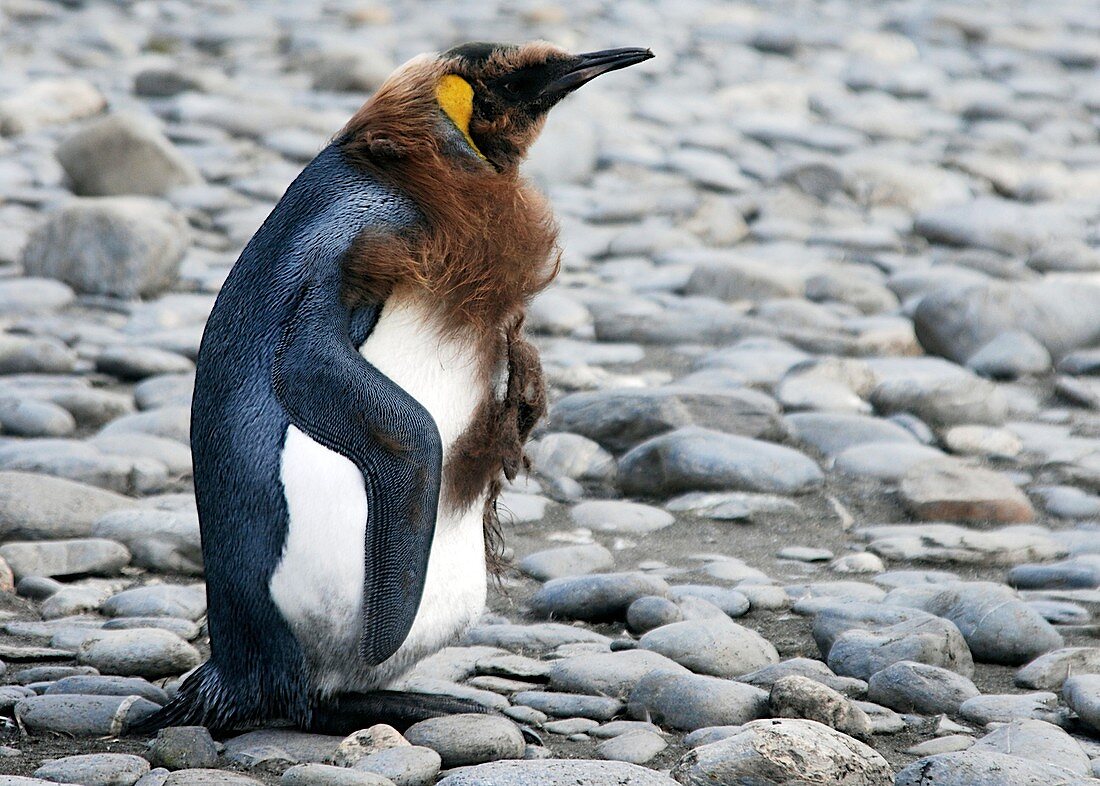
<point>318,584</point>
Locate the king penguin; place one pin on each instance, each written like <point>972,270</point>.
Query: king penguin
<point>362,386</point>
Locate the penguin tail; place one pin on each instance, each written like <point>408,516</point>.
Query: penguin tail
<point>199,701</point>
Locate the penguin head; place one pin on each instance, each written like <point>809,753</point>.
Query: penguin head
<point>498,95</point>
<point>476,106</point>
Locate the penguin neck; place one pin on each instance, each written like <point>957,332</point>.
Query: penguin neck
<point>486,241</point>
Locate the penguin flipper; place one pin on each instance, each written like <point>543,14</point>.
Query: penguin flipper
<point>340,400</point>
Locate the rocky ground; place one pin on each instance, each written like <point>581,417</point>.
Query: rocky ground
<point>817,499</point>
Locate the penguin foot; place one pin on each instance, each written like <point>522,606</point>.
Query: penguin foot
<point>348,712</point>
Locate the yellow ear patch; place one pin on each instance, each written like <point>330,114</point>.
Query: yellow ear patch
<point>456,99</point>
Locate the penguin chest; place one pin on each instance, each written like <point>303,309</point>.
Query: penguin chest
<point>318,585</point>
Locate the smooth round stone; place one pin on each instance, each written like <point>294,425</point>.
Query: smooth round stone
<point>1068,574</point>
<point>970,767</point>
<point>615,728</point>
<point>635,747</point>
<point>254,748</point>
<point>570,705</point>
<point>327,775</point>
<point>183,747</point>
<point>608,674</point>
<point>33,295</point>
<point>831,433</point>
<point>1082,694</point>
<point>860,562</point>
<point>698,459</point>
<point>887,461</point>
<point>360,744</point>
<point>185,629</point>
<point>948,744</point>
<point>802,697</point>
<point>619,419</point>
<point>1050,671</point>
<point>570,727</point>
<point>808,668</point>
<point>651,612</point>
<point>95,556</point>
<point>40,507</point>
<point>943,401</point>
<point>906,686</point>
<point>723,649</point>
<point>1038,741</point>
<point>123,246</point>
<point>563,455</point>
<point>631,518</point>
<point>1010,355</point>
<point>82,716</point>
<point>1005,708</point>
<point>691,701</point>
<point>732,602</point>
<point>95,769</point>
<point>143,652</point>
<point>28,418</point>
<point>784,751</point>
<point>406,765</point>
<point>468,739</point>
<point>982,441</point>
<point>162,540</point>
<point>538,638</point>
<point>97,685</point>
<point>599,597</point>
<point>861,653</point>
<point>163,600</point>
<point>556,772</point>
<point>804,554</point>
<point>200,777</point>
<point>567,561</point>
<point>50,674</point>
<point>998,627</point>
<point>134,363</point>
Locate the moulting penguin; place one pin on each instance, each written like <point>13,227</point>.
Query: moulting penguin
<point>363,385</point>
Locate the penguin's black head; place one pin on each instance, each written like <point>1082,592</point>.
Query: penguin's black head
<point>497,95</point>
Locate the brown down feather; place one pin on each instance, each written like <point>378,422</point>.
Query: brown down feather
<point>487,244</point>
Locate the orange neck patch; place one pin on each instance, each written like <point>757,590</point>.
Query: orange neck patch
<point>456,99</point>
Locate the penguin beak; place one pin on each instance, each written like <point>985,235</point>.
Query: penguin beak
<point>590,65</point>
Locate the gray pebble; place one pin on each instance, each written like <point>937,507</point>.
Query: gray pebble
<point>327,775</point>
<point>556,772</point>
<point>802,697</point>
<point>906,686</point>
<point>969,767</point>
<point>610,674</point>
<point>183,747</point>
<point>600,597</point>
<point>1038,741</point>
<point>83,716</point>
<point>566,561</point>
<point>691,701</point>
<point>142,652</point>
<point>716,648</point>
<point>1005,708</point>
<point>97,685</point>
<point>1049,671</point>
<point>407,765</point>
<point>570,705</point>
<point>95,769</point>
<point>652,611</point>
<point>468,739</point>
<point>635,747</point>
